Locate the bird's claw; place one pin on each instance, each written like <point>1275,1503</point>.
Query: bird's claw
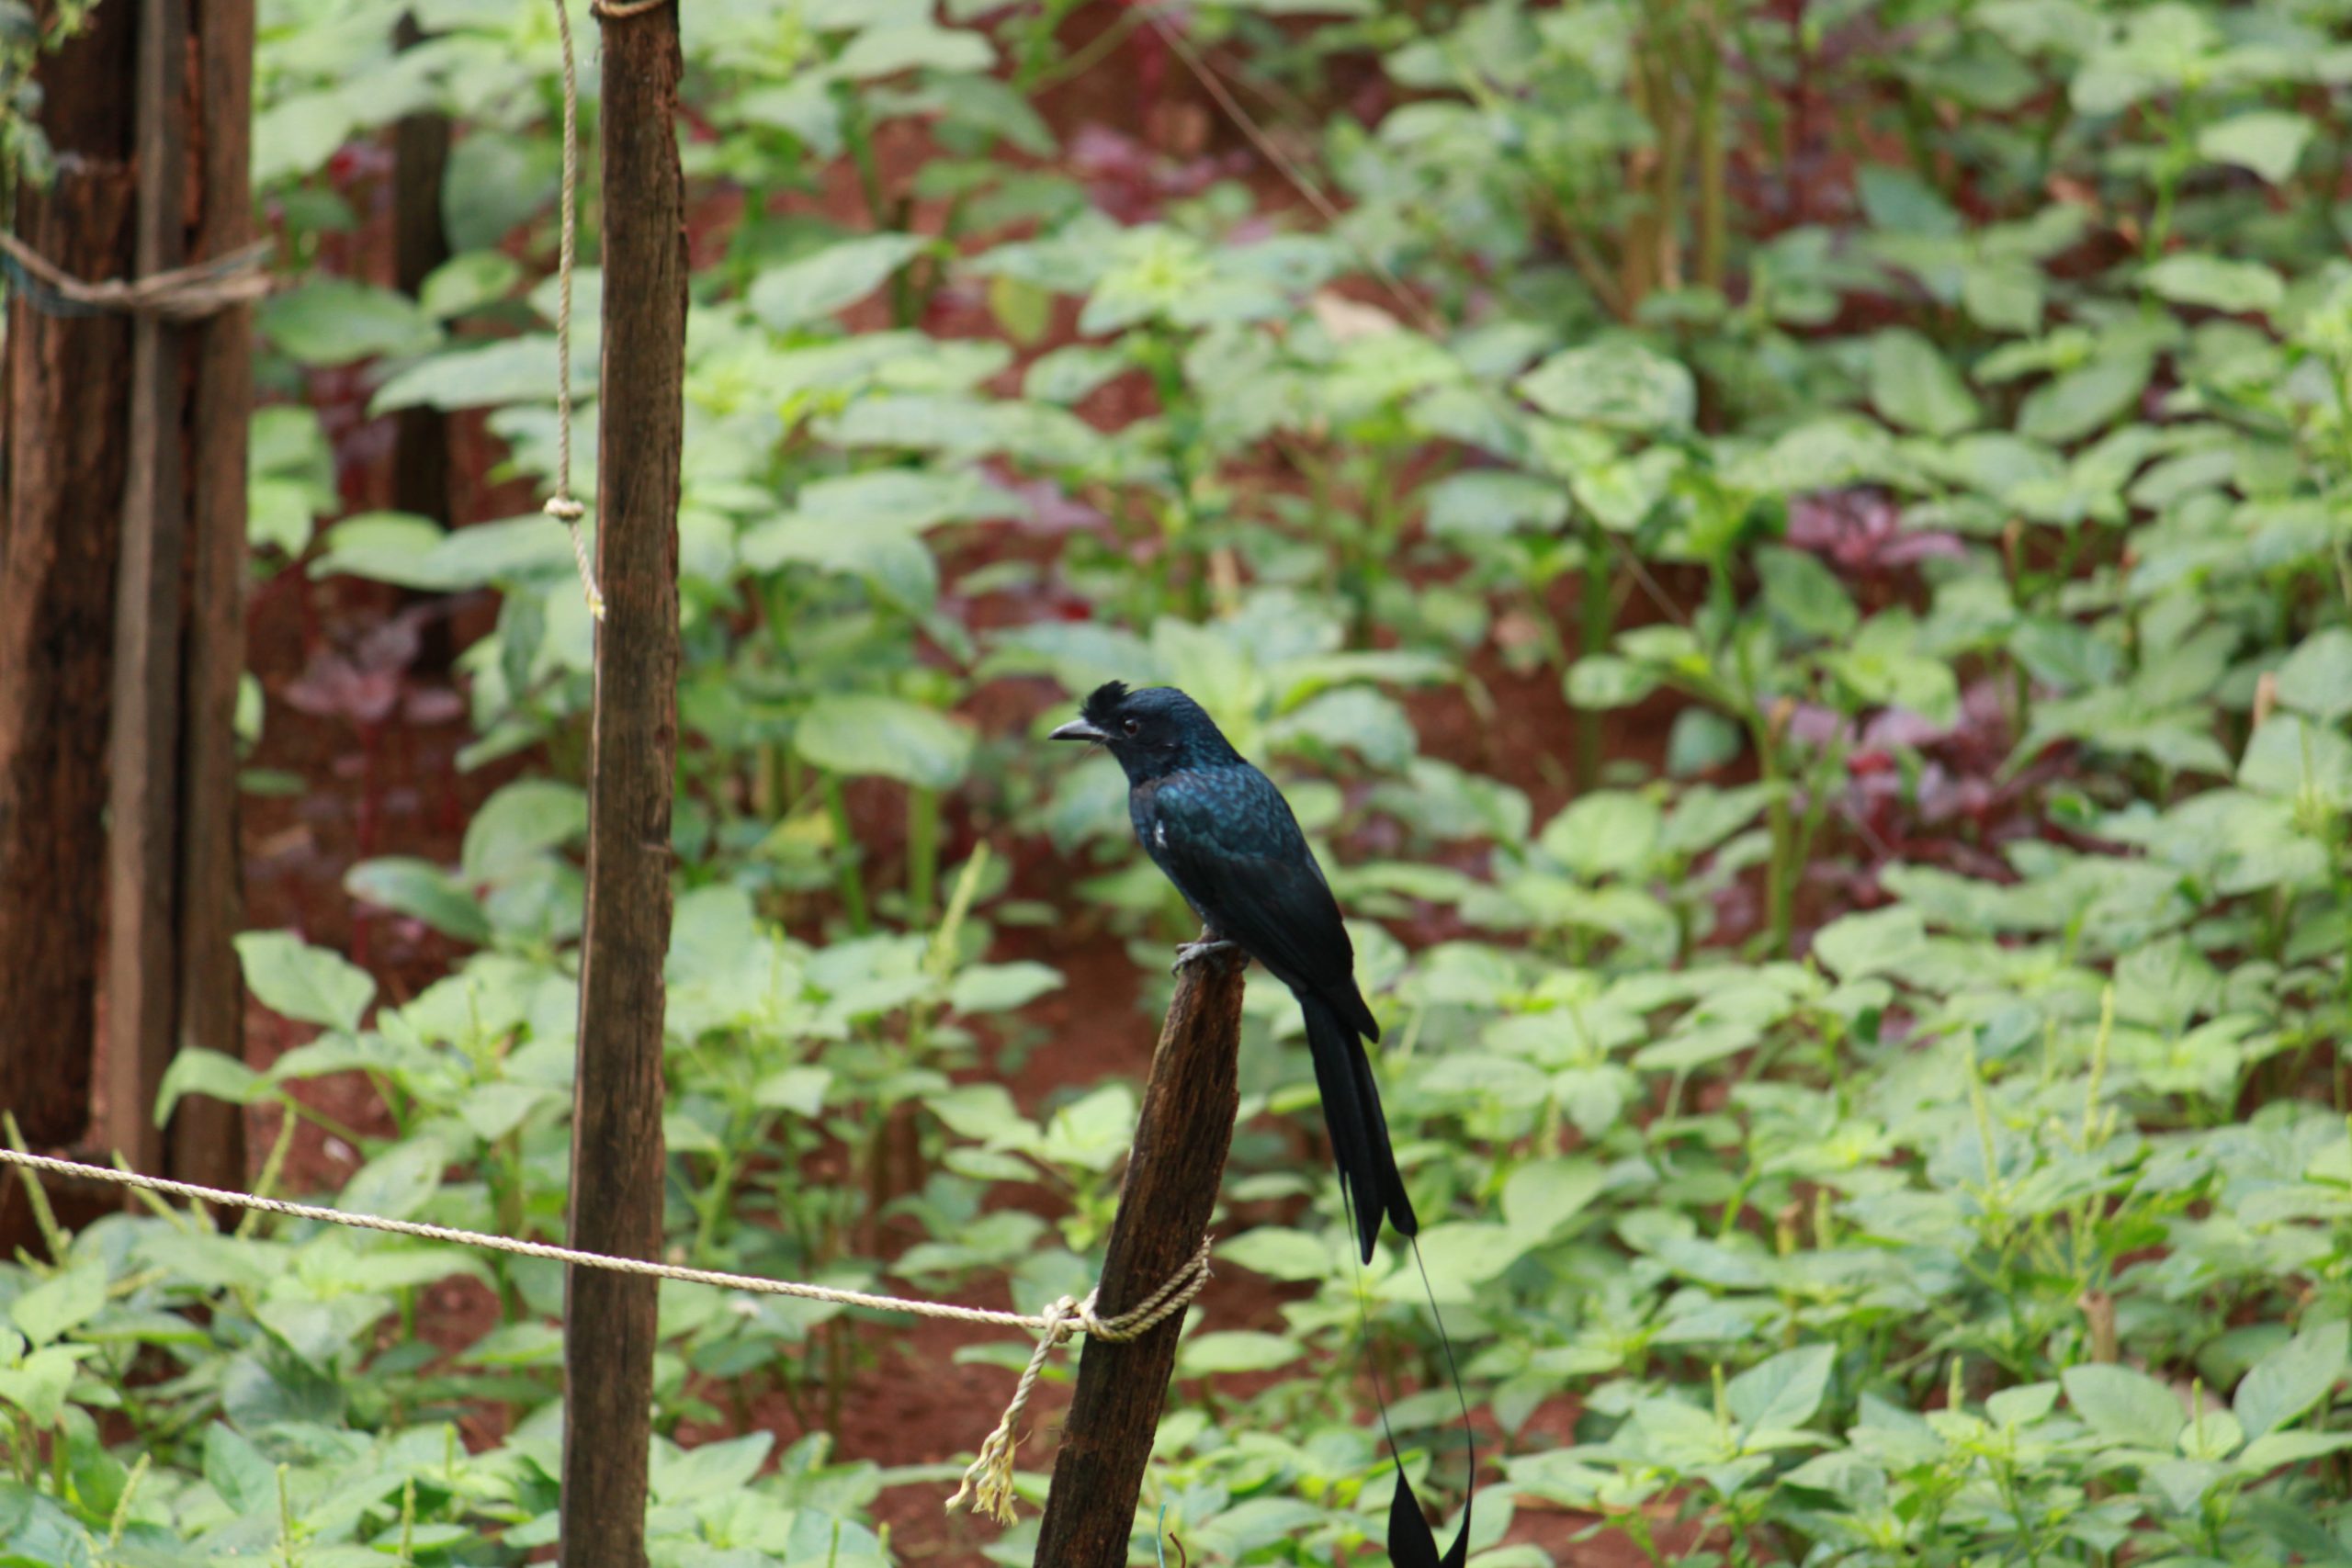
<point>1193,952</point>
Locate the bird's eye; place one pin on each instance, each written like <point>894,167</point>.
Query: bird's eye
<point>1131,727</point>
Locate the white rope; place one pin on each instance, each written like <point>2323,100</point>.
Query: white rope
<point>990,1478</point>
<point>560,505</point>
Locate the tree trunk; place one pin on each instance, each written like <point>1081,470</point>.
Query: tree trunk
<point>69,386</point>
<point>207,1138</point>
<point>616,1180</point>
<point>1181,1138</point>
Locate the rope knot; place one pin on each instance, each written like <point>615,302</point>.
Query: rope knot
<point>569,512</point>
<point>988,1483</point>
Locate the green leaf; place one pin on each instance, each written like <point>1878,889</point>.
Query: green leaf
<point>1782,1392</point>
<point>1618,383</point>
<point>2085,401</point>
<point>37,1386</point>
<point>814,286</point>
<point>518,825</point>
<point>897,563</point>
<point>1880,941</point>
<point>2291,755</point>
<point>196,1070</point>
<point>2268,141</point>
<point>886,51</point>
<point>1605,680</point>
<point>1236,1350</point>
<point>398,1182</point>
<point>1544,1194</point>
<point>383,546</point>
<point>1281,1254</point>
<point>333,321</point>
<point>298,133</point>
<point>308,985</point>
<point>1914,386</point>
<point>2317,679</point>
<point>245,1480</point>
<point>422,891</point>
<point>2126,1408</point>
<point>1486,501</point>
<point>1604,832</point>
<point>1806,594</point>
<point>1702,739</point>
<point>468,283</point>
<point>800,1090</point>
<point>2217,283</point>
<point>1001,987</point>
<point>2292,1379</point>
<point>884,737</point>
<point>709,1469</point>
<point>61,1302</point>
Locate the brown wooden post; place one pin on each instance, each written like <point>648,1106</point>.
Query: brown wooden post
<point>206,1142</point>
<point>1181,1137</point>
<point>142,798</point>
<point>616,1180</point>
<point>69,380</point>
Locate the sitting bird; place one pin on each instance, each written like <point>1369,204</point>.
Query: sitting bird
<point>1226,838</point>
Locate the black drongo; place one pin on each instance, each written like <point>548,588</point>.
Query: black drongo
<point>1226,838</point>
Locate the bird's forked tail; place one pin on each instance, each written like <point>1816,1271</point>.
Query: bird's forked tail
<point>1359,1130</point>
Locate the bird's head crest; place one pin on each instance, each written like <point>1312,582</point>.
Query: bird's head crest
<point>1103,703</point>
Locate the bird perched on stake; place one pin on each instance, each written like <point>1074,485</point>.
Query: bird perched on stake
<point>1226,838</point>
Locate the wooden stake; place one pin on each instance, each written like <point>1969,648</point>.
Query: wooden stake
<point>69,383</point>
<point>609,1319</point>
<point>1181,1138</point>
<point>206,1141</point>
<point>143,795</point>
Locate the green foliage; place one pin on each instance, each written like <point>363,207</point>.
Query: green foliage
<point>1895,1118</point>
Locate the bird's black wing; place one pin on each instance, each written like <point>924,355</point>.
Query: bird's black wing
<point>1226,838</point>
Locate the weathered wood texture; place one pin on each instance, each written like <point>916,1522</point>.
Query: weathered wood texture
<point>142,798</point>
<point>69,386</point>
<point>1181,1137</point>
<point>206,1142</point>
<point>617,1108</point>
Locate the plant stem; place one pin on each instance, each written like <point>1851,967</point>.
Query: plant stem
<point>846,856</point>
<point>922,852</point>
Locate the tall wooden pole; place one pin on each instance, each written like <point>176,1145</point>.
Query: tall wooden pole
<point>206,1141</point>
<point>69,387</point>
<point>1181,1137</point>
<point>617,1160</point>
<point>142,798</point>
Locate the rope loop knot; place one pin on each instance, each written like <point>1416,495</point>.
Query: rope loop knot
<point>988,1483</point>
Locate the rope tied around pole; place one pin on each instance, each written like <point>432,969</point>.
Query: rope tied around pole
<point>990,1478</point>
<point>988,1483</point>
<point>178,294</point>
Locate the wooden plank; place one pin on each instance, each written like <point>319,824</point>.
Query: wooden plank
<point>142,861</point>
<point>68,387</point>
<point>206,1142</point>
<point>1182,1136</point>
<point>616,1106</point>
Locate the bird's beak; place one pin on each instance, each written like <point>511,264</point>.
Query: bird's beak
<point>1079,730</point>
